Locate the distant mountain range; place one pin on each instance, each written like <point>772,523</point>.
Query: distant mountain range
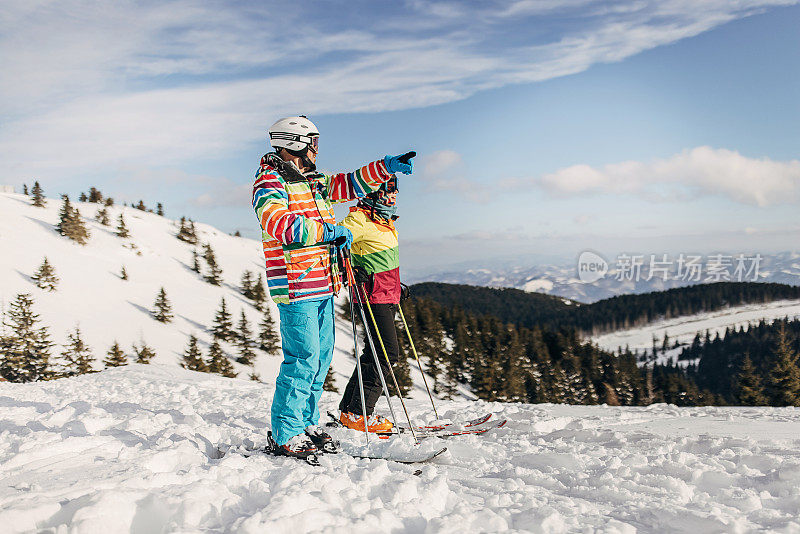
<point>563,281</point>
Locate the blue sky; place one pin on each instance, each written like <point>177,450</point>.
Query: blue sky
<point>543,127</point>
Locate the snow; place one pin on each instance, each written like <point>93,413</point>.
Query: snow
<point>92,295</point>
<point>683,329</point>
<point>540,285</point>
<point>134,449</point>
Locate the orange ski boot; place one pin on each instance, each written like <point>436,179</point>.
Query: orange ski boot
<point>375,423</point>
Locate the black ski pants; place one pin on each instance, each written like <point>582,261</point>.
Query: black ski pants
<point>351,401</point>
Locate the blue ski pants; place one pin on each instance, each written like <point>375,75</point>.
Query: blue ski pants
<point>307,340</point>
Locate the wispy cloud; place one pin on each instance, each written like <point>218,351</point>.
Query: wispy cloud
<point>87,87</point>
<point>445,170</point>
<point>699,171</point>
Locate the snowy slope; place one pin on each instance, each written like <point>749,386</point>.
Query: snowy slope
<point>92,294</point>
<point>133,450</point>
<point>683,329</point>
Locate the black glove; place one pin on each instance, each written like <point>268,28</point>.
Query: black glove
<point>362,277</point>
<point>405,292</point>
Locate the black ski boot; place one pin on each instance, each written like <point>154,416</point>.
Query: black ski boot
<point>322,439</point>
<point>299,446</point>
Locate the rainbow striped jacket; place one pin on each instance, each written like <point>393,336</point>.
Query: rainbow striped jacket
<point>292,216</point>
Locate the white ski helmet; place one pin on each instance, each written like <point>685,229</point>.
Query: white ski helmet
<point>295,134</point>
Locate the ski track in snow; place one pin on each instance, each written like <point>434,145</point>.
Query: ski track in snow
<point>134,449</point>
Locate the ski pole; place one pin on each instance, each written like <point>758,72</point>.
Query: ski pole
<point>388,361</point>
<point>414,350</point>
<point>350,276</point>
<point>355,348</point>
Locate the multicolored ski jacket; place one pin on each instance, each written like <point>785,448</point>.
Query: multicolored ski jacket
<point>375,250</point>
<point>292,214</point>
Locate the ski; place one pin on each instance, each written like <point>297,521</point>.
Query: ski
<point>418,459</point>
<point>429,428</point>
<point>445,433</point>
<point>313,459</point>
<point>477,426</point>
<point>445,426</point>
<point>248,451</point>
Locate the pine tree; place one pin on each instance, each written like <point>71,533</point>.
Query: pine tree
<point>268,340</point>
<point>95,195</point>
<point>159,209</point>
<point>402,371</point>
<point>223,323</point>
<point>140,206</point>
<point>109,202</point>
<point>513,380</point>
<point>70,224</point>
<point>115,357</point>
<point>186,231</point>
<point>163,309</point>
<point>77,356</point>
<point>749,388</point>
<point>237,233</point>
<point>784,379</point>
<point>45,277</point>
<point>83,197</point>
<point>247,284</point>
<point>123,274</point>
<point>218,362</point>
<point>78,231</point>
<point>192,358</point>
<point>195,261</point>
<point>245,342</point>
<point>25,189</point>
<point>214,275</point>
<point>25,350</point>
<point>330,383</point>
<point>259,294</point>
<point>345,312</point>
<point>38,195</point>
<point>143,352</point>
<point>64,215</point>
<point>102,217</point>
<point>122,229</point>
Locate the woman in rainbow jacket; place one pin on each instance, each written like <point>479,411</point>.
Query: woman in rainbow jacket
<point>293,204</point>
<point>377,269</point>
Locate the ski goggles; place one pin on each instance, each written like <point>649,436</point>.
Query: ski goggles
<point>311,141</point>
<point>390,185</point>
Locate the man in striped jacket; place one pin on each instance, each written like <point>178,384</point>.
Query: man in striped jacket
<point>293,204</point>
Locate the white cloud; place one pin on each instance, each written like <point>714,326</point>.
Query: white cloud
<point>702,170</point>
<point>225,194</point>
<point>444,170</point>
<point>438,163</point>
<point>88,85</point>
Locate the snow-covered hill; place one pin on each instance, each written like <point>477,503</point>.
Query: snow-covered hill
<point>133,450</point>
<point>92,294</point>
<point>682,330</point>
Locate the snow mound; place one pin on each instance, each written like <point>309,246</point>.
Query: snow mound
<point>134,449</point>
<point>541,285</point>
